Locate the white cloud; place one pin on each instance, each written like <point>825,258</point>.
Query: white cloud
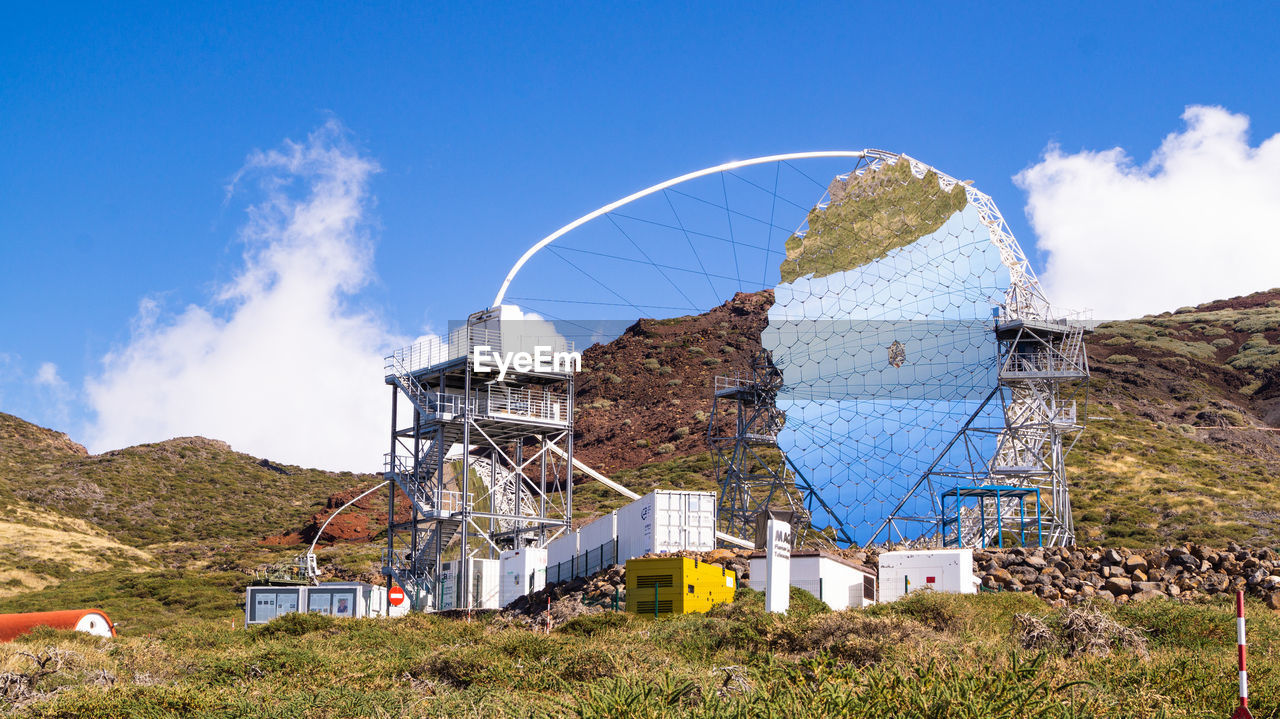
<point>52,394</point>
<point>1198,221</point>
<point>279,363</point>
<point>47,376</point>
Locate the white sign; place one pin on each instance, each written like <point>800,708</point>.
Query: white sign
<point>542,359</point>
<point>777,588</point>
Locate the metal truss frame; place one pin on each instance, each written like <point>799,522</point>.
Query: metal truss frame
<point>751,478</point>
<point>1041,398</point>
<point>475,463</point>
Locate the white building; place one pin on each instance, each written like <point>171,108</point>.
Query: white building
<point>838,582</point>
<point>942,570</point>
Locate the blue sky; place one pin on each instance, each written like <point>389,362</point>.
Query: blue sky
<point>494,124</point>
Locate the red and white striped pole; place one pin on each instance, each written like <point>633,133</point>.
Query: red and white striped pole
<point>1242,712</point>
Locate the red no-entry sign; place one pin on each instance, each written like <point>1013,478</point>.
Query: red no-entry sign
<point>395,596</point>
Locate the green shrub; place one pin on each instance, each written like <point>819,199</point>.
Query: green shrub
<point>586,664</point>
<point>642,443</point>
<point>463,667</point>
<point>293,624</point>
<point>1233,418</point>
<point>681,432</point>
<point>666,448</point>
<point>589,625</point>
<point>711,361</point>
<point>1122,359</point>
<point>1222,342</point>
<point>131,701</point>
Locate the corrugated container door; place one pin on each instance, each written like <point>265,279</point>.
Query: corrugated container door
<point>669,526</point>
<point>702,523</point>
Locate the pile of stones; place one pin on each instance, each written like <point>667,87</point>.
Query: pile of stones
<point>1069,575</point>
<point>557,603</point>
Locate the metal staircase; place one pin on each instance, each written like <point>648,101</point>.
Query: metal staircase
<point>485,503</point>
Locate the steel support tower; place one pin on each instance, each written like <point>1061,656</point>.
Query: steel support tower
<point>1041,395</point>
<point>473,456</point>
<point>753,473</point>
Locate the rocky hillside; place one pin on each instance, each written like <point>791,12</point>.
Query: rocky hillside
<point>646,396</point>
<point>1187,447</point>
<point>68,511</point>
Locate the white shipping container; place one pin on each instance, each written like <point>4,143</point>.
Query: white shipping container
<point>942,570</point>
<point>524,571</point>
<point>484,585</point>
<point>667,521</point>
<point>562,548</point>
<point>836,581</point>
<point>599,533</point>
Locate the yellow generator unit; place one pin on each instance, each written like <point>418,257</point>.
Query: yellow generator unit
<point>676,585</point>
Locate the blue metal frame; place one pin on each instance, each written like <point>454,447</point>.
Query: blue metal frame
<point>982,493</point>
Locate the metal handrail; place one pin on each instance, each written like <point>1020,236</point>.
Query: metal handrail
<point>724,382</point>
<point>527,402</point>
<point>460,342</point>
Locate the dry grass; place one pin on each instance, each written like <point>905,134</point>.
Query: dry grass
<point>43,548</point>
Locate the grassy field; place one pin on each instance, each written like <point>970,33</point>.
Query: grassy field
<point>928,656</point>
<point>43,547</point>
<point>1136,483</point>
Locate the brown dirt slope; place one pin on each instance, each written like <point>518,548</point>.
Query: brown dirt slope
<point>645,396</point>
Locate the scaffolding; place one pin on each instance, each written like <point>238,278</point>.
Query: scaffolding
<point>753,473</point>
<point>1040,397</point>
<point>483,458</point>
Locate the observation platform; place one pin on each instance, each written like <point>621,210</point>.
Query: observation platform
<point>449,384</point>
<point>739,388</point>
<point>1021,524</point>
<point>1011,329</point>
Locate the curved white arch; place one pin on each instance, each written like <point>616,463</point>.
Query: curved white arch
<point>502,292</point>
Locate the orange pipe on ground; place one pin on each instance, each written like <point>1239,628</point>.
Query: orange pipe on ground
<point>92,621</point>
